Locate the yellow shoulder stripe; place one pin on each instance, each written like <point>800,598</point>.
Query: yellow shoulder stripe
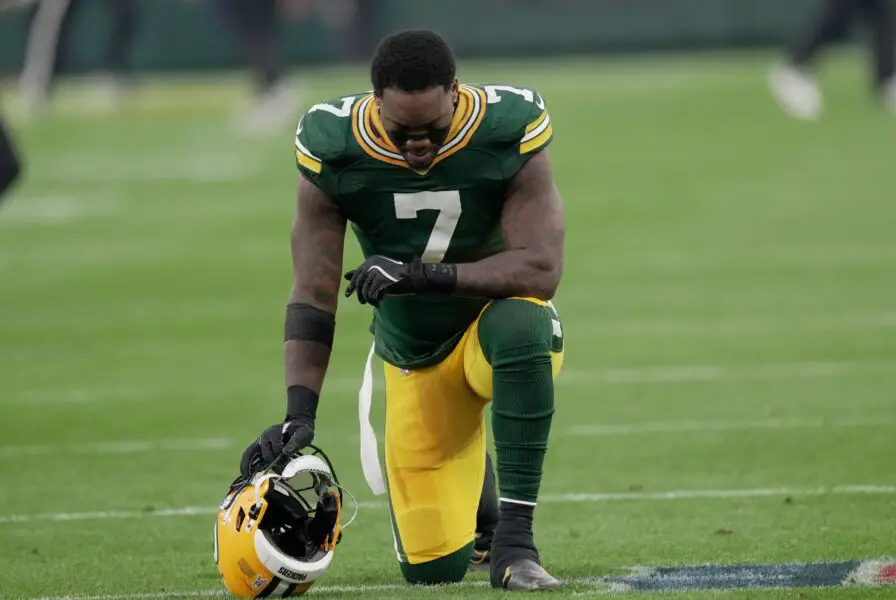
<point>308,162</point>
<point>537,134</point>
<point>537,122</point>
<point>538,141</point>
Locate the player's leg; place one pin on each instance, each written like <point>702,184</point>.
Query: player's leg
<point>435,459</point>
<point>830,24</point>
<point>46,51</point>
<point>512,359</point>
<point>125,19</point>
<point>10,164</point>
<point>878,16</point>
<point>792,84</point>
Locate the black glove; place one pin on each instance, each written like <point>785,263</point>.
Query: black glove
<point>379,277</point>
<point>281,442</point>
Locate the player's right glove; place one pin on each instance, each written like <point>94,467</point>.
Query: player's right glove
<point>283,441</point>
<point>381,276</point>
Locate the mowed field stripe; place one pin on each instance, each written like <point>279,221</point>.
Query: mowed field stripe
<point>118,447</point>
<point>585,497</point>
<point>663,427</point>
<point>596,430</point>
<point>569,377</point>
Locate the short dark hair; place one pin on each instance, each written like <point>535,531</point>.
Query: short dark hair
<point>412,61</point>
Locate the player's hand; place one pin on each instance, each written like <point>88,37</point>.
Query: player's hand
<point>276,445</point>
<point>380,276</point>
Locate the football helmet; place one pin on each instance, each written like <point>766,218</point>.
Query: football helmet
<point>275,533</point>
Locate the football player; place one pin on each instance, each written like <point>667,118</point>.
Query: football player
<point>449,191</point>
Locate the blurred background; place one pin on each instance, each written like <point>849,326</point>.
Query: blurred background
<point>729,297</point>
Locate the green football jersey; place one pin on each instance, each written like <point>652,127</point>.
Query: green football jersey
<point>449,213</point>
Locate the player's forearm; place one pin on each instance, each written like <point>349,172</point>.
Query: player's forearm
<point>308,343</point>
<point>524,272</point>
<point>305,364</point>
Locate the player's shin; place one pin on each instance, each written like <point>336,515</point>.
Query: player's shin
<point>515,336</point>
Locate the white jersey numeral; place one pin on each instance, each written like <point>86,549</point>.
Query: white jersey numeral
<point>492,97</point>
<point>341,111</point>
<point>447,203</point>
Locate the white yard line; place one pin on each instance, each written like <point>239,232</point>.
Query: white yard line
<point>746,325</point>
<point>724,425</point>
<point>317,589</point>
<point>120,447</point>
<point>584,497</point>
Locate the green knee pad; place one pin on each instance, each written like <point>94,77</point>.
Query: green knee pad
<point>514,331</point>
<point>447,569</point>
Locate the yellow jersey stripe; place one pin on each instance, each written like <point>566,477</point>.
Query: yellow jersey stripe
<point>537,142</point>
<point>308,162</point>
<point>367,139</point>
<point>477,112</point>
<point>537,121</point>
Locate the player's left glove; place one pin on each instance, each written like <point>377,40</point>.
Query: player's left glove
<point>281,442</point>
<point>380,276</point>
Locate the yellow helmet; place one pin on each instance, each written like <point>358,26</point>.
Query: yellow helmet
<point>275,534</point>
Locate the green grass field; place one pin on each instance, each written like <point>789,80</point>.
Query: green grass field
<point>729,302</point>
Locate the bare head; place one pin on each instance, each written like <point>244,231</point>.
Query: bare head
<point>415,84</point>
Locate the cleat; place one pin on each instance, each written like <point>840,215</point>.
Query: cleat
<point>796,92</point>
<point>480,560</point>
<point>523,575</point>
<point>482,552</point>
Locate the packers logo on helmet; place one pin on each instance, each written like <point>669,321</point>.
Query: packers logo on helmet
<point>275,534</point>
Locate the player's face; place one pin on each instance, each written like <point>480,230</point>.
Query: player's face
<point>418,122</point>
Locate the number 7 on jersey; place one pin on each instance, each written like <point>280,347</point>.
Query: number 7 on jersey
<point>447,203</point>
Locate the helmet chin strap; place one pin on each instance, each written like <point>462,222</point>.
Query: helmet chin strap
<point>354,504</point>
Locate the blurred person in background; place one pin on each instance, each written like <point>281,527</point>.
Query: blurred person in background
<point>792,83</point>
<point>256,25</point>
<point>51,47</point>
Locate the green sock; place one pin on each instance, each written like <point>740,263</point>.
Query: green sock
<point>516,337</point>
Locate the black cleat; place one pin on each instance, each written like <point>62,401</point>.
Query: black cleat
<point>487,516</point>
<point>525,575</point>
<point>482,552</point>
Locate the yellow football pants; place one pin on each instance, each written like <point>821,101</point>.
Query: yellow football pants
<point>435,449</point>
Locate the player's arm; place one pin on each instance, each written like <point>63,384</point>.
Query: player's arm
<point>316,242</point>
<point>533,227</point>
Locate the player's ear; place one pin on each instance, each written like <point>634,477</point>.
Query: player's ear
<point>455,89</point>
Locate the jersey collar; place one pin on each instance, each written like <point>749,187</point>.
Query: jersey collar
<point>373,139</point>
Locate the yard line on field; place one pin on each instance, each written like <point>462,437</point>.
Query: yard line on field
<point>700,373</point>
<point>141,596</point>
<point>724,425</point>
<point>119,447</point>
<point>738,325</point>
<point>317,589</point>
<point>585,497</point>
